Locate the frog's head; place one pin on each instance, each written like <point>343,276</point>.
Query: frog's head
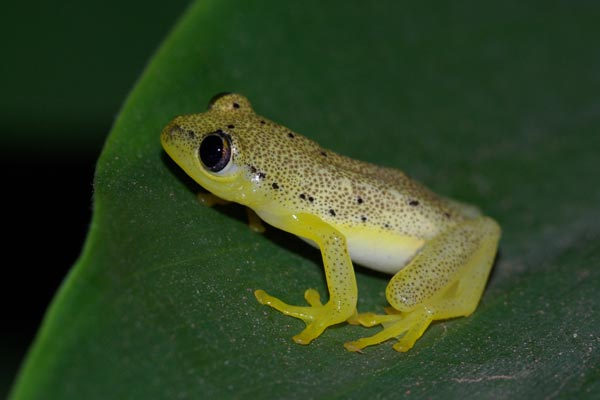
<point>206,147</point>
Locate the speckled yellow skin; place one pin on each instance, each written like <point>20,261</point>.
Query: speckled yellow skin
<point>440,251</point>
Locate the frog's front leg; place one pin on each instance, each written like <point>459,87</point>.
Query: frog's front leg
<point>445,280</point>
<point>339,274</point>
<point>210,200</point>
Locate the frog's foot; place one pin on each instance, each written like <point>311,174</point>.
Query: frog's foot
<point>317,316</point>
<point>411,324</point>
<point>254,222</point>
<point>371,319</point>
<point>210,200</point>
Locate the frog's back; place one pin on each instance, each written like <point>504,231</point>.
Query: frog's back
<point>348,193</point>
<point>392,201</point>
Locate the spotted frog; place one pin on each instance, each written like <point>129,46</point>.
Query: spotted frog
<point>439,251</point>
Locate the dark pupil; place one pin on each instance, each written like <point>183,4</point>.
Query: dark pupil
<point>215,152</point>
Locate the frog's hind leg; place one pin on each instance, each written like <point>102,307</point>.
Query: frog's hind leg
<point>445,280</point>
<point>393,326</point>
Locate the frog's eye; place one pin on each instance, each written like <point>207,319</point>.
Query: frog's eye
<point>215,151</point>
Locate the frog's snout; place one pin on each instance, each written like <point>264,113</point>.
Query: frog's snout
<point>176,134</point>
<point>171,131</point>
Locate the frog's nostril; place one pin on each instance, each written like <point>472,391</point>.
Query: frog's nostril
<point>173,130</point>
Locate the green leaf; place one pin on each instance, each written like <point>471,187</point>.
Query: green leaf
<point>495,105</point>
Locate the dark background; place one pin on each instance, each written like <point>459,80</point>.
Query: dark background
<point>66,68</point>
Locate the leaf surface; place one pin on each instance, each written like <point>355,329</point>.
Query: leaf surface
<point>497,105</point>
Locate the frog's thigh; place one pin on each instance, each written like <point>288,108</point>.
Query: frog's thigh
<point>449,274</point>
<point>444,280</point>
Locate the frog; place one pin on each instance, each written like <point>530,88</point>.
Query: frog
<point>438,251</point>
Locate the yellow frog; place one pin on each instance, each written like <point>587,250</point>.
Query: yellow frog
<point>439,250</point>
